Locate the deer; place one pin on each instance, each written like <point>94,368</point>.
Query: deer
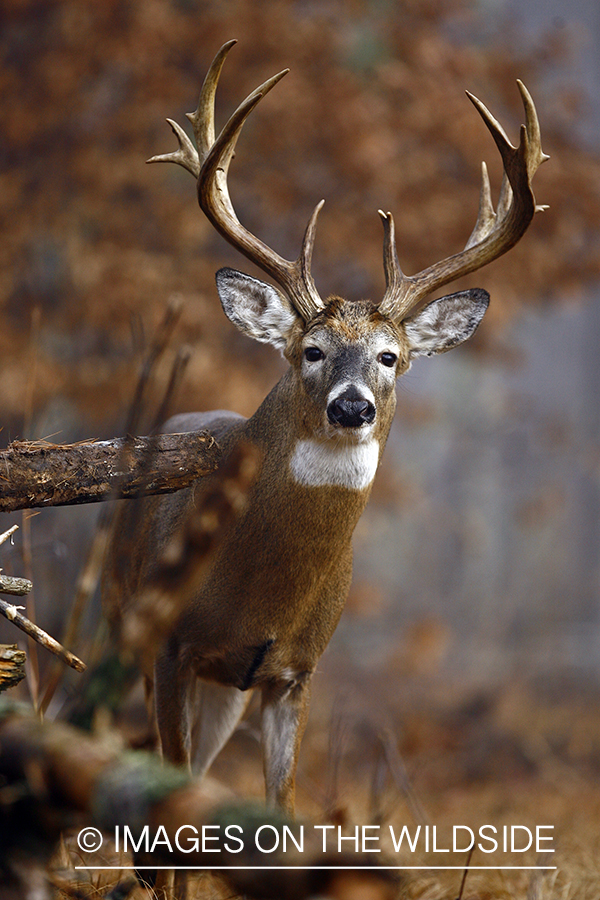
<point>278,583</point>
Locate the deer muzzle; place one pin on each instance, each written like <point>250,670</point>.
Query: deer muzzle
<point>351,410</point>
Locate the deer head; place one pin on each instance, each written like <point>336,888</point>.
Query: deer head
<point>386,336</point>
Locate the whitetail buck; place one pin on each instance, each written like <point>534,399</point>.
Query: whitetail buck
<point>278,584</point>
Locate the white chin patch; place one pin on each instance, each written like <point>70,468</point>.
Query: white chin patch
<point>341,464</point>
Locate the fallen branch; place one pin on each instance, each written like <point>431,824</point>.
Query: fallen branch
<point>65,778</point>
<point>11,612</point>
<point>37,474</point>
<point>89,575</point>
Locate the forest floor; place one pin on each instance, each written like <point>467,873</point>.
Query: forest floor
<point>520,756</point>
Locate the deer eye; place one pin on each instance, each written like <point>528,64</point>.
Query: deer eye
<point>388,359</point>
<point>313,354</point>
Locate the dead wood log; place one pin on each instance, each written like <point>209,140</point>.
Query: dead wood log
<point>64,778</point>
<point>38,474</point>
<point>12,666</point>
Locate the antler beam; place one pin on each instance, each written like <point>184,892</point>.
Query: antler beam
<point>209,164</point>
<point>495,231</point>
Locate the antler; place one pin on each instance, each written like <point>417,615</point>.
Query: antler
<point>494,232</point>
<point>210,164</point>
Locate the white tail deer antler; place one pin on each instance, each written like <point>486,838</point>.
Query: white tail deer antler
<point>210,164</point>
<point>494,232</point>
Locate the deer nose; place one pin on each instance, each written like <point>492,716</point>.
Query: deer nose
<point>350,411</point>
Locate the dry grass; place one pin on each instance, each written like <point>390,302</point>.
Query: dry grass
<point>515,759</point>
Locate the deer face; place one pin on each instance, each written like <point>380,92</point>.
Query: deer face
<point>346,359</point>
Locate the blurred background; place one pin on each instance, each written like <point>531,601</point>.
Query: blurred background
<point>475,603</point>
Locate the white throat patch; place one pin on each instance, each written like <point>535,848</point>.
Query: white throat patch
<point>353,466</point>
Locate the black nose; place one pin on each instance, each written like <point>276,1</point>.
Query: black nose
<point>350,410</point>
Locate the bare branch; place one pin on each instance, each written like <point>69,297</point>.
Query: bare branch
<point>139,631</point>
<point>37,474</point>
<point>16,587</point>
<point>11,612</point>
<point>8,534</point>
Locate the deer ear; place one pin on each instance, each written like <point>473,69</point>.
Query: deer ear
<point>256,308</point>
<point>445,323</point>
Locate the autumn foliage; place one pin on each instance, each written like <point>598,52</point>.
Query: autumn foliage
<point>373,114</point>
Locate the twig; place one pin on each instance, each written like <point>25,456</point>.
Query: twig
<point>125,520</point>
<point>177,372</point>
<point>400,775</point>
<point>86,585</point>
<point>338,738</point>
<point>378,780</point>
<point>158,346</point>
<point>16,587</point>
<point>4,537</point>
<point>13,615</point>
<point>147,461</point>
<point>160,600</point>
<point>465,873</point>
<point>26,546</point>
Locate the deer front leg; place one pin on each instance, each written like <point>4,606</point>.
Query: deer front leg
<point>172,687</point>
<point>284,714</point>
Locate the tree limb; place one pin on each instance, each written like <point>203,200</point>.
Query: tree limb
<point>37,474</point>
<point>138,634</point>
<point>13,615</point>
<point>16,587</point>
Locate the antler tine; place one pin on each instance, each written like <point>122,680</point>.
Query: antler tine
<point>185,156</point>
<point>494,232</point>
<point>536,155</point>
<point>203,118</point>
<point>203,122</point>
<point>395,279</point>
<point>213,195</point>
<point>486,217</point>
<point>307,248</point>
<point>215,164</point>
<point>210,165</point>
